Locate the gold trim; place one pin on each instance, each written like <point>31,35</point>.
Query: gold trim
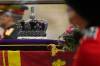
<point>3,54</point>
<point>28,45</point>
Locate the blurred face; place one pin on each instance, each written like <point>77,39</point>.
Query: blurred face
<point>4,20</point>
<point>75,19</point>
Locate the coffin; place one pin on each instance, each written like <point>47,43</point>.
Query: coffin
<point>32,53</point>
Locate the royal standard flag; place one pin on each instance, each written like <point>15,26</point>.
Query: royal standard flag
<point>32,58</point>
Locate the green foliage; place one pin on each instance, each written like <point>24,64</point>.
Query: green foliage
<point>72,39</point>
